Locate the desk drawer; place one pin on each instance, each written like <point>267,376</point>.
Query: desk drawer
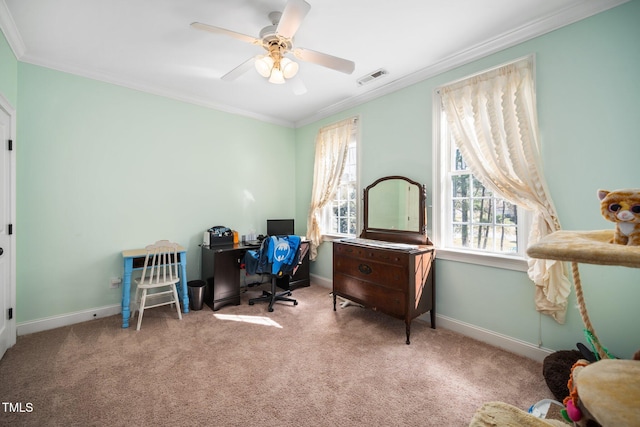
<point>389,301</point>
<point>387,275</point>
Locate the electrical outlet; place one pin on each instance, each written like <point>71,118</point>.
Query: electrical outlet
<point>115,282</point>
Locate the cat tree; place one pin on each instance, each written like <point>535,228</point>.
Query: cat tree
<point>608,390</point>
<point>589,247</point>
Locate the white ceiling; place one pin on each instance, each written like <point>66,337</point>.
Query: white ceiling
<point>149,45</point>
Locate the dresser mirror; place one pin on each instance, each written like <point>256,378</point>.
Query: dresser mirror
<point>395,211</point>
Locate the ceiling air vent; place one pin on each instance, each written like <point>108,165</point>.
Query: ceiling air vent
<point>372,76</point>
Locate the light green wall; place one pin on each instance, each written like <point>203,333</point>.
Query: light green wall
<point>102,168</point>
<point>8,72</point>
<point>587,92</point>
<point>84,147</point>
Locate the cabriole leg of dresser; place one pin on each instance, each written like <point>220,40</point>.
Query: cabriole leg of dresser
<point>408,323</point>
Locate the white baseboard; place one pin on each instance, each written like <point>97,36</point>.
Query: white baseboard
<point>53,322</point>
<point>495,339</point>
<point>322,281</point>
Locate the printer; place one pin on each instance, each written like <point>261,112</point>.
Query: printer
<point>217,236</point>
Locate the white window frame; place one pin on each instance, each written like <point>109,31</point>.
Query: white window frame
<point>327,213</point>
<point>442,203</point>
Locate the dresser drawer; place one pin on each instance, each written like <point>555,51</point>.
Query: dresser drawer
<point>387,275</point>
<point>389,301</point>
<point>373,254</point>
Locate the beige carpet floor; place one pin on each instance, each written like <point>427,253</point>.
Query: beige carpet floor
<point>303,365</point>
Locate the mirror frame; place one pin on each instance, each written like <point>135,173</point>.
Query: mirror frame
<point>398,236</point>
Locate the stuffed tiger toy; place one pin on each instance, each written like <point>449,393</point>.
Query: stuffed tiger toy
<point>623,208</point>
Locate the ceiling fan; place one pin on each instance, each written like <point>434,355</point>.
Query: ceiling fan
<point>277,40</point>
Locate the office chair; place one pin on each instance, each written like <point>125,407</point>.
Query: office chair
<point>278,256</point>
<point>160,272</point>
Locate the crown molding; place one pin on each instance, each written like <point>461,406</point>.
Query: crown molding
<point>14,39</point>
<point>527,32</point>
<point>506,40</point>
<point>10,31</point>
<point>151,89</point>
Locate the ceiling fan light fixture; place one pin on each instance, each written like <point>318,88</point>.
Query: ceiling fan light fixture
<point>277,77</point>
<point>289,68</point>
<point>264,64</point>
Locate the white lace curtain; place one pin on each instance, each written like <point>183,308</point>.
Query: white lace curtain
<point>494,123</point>
<point>332,144</point>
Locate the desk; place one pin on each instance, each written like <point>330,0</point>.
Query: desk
<point>221,273</point>
<point>134,260</point>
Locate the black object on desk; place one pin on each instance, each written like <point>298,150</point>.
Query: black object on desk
<point>280,227</point>
<point>221,273</point>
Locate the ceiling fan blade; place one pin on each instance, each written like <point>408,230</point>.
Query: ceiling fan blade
<point>239,70</point>
<point>297,86</point>
<point>329,61</point>
<point>292,16</point>
<point>218,30</point>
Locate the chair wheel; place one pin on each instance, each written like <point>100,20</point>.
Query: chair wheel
<point>250,302</point>
<point>270,310</point>
<point>295,303</point>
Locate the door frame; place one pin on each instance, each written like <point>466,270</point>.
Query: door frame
<point>11,324</point>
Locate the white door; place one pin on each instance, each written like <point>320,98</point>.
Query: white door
<point>7,238</point>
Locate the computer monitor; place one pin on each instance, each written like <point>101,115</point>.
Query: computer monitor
<point>280,227</point>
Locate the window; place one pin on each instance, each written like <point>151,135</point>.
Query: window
<point>478,220</point>
<point>340,216</point>
<point>334,207</point>
<point>472,224</point>
<point>491,118</point>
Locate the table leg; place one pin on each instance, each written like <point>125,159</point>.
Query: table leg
<point>183,282</point>
<point>126,292</point>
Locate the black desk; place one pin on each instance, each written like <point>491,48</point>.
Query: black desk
<point>221,273</point>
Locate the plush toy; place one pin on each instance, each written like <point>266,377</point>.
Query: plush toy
<point>604,393</point>
<point>623,208</point>
<point>573,410</point>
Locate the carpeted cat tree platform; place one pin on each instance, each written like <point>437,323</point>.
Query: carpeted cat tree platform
<point>588,247</point>
<point>608,389</point>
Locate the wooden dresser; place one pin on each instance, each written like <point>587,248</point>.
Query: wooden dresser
<point>394,278</point>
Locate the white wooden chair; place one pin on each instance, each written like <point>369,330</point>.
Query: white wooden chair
<point>160,272</point>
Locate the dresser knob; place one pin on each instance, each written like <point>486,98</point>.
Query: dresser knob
<point>364,269</point>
